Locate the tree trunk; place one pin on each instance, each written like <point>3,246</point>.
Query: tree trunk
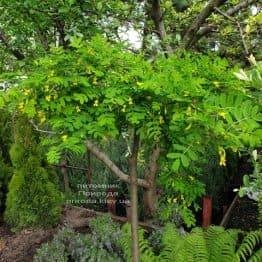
<point>150,195</point>
<point>157,17</point>
<point>150,199</point>
<point>134,199</point>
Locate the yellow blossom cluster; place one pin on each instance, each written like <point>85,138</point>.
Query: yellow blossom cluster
<point>222,154</point>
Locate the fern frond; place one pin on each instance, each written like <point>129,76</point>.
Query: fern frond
<point>195,245</point>
<point>257,257</point>
<point>250,241</point>
<point>172,243</point>
<point>125,242</point>
<point>221,243</point>
<point>146,252</point>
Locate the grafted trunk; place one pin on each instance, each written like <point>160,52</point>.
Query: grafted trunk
<point>134,199</point>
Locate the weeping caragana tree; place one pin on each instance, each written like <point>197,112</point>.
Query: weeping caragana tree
<point>94,92</point>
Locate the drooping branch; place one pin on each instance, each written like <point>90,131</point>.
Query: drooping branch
<point>16,53</point>
<point>112,166</point>
<point>205,30</point>
<point>200,20</point>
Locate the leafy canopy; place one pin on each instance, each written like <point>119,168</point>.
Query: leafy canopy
<point>97,91</point>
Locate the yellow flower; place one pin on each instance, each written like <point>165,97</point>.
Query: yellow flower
<point>222,154</point>
<point>189,111</point>
<point>130,101</point>
<point>41,116</point>
<point>222,162</point>
<point>64,138</point>
<point>191,178</point>
<point>46,88</point>
<point>222,114</point>
<point>161,120</point>
<point>95,81</point>
<point>124,108</point>
<point>21,106</point>
<point>95,103</point>
<point>48,98</point>
<point>26,92</point>
<point>216,83</point>
<point>88,70</point>
<point>78,109</point>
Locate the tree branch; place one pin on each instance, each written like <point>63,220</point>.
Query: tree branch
<point>239,28</point>
<point>240,6</point>
<point>157,17</point>
<point>112,166</point>
<point>200,19</point>
<point>16,53</point>
<point>205,30</point>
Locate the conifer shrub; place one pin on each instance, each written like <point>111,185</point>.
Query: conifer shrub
<point>33,199</point>
<point>5,176</point>
<point>5,165</point>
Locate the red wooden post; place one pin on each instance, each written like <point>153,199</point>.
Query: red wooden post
<point>207,211</point>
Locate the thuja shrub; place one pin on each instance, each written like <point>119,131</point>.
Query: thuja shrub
<point>5,176</point>
<point>5,165</point>
<point>33,199</point>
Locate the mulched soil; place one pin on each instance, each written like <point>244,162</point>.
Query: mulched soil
<point>22,246</point>
<point>244,215</point>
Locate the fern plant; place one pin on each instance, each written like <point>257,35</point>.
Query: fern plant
<point>147,254</point>
<point>211,245</point>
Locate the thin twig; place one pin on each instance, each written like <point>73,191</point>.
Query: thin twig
<point>238,26</point>
<point>71,167</point>
<point>41,130</point>
<point>229,211</point>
